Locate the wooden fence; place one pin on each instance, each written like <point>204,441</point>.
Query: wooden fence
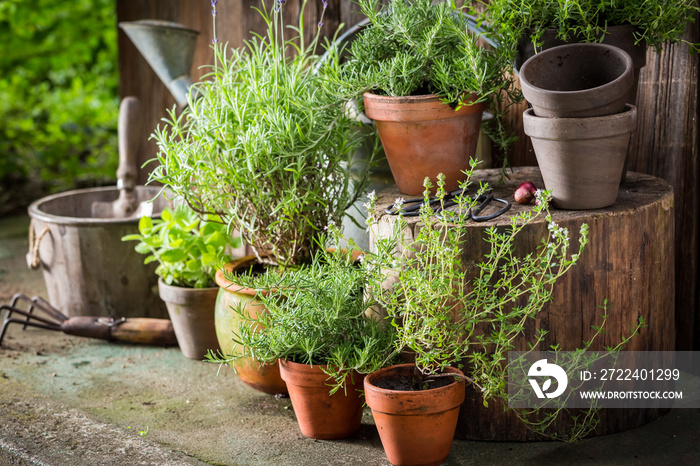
<point>666,147</point>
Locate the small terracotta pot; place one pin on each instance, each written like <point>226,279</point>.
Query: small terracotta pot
<point>321,415</point>
<point>578,80</point>
<point>423,136</point>
<point>581,159</point>
<point>191,311</point>
<point>621,36</point>
<point>263,377</point>
<point>416,427</point>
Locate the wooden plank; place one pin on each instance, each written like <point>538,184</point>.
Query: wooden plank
<point>667,147</point>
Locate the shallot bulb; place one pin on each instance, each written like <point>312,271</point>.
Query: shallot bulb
<point>525,193</point>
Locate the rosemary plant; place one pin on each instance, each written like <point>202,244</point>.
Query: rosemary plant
<point>417,47</point>
<point>316,315</point>
<point>656,21</point>
<point>265,145</point>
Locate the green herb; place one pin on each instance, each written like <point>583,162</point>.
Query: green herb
<point>444,314</point>
<point>265,145</point>
<point>656,21</point>
<point>187,248</point>
<point>451,313</point>
<point>316,315</point>
<point>415,47</point>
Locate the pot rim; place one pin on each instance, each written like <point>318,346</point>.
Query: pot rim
<point>627,75</point>
<point>36,213</point>
<point>315,373</point>
<point>413,402</point>
<point>561,128</point>
<point>425,107</point>
<point>161,282</point>
<point>170,293</point>
<point>226,284</point>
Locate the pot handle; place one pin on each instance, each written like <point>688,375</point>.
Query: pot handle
<point>33,259</point>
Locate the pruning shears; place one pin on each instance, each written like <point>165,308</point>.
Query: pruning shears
<point>411,207</point>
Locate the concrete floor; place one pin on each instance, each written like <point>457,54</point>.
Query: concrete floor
<point>75,401</point>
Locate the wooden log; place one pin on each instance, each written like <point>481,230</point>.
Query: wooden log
<point>629,261</point>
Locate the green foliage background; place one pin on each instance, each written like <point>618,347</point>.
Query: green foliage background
<point>59,92</point>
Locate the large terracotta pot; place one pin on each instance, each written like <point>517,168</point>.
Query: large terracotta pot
<point>423,136</point>
<point>191,311</point>
<point>321,415</point>
<point>578,80</point>
<point>416,427</point>
<point>581,159</point>
<point>263,377</point>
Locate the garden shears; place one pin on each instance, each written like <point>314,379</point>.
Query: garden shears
<point>411,207</point>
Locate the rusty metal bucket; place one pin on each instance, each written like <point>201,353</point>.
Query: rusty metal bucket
<point>87,268</point>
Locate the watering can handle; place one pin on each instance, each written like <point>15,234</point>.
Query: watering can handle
<point>33,259</point>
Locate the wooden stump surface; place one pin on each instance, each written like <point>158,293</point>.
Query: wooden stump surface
<point>629,261</point>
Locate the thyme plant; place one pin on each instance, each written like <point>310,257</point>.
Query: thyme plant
<point>265,145</point>
<point>450,313</point>
<point>656,21</point>
<point>417,47</point>
<point>443,314</point>
<point>316,315</point>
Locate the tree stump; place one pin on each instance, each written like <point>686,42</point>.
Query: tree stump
<point>629,261</point>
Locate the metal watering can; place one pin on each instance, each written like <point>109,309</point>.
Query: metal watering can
<point>169,48</point>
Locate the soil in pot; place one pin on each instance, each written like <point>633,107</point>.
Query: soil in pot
<point>423,136</point>
<point>416,426</point>
<point>321,415</point>
<point>263,377</point>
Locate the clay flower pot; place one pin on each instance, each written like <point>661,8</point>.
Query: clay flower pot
<point>191,311</point>
<point>581,159</point>
<point>319,414</point>
<point>416,427</point>
<point>263,377</point>
<point>621,36</point>
<point>578,80</point>
<point>423,136</point>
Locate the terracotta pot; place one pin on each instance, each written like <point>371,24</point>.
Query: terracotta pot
<point>581,159</point>
<point>263,377</point>
<point>423,136</point>
<point>416,427</point>
<point>191,311</point>
<point>577,80</point>
<point>321,415</point>
<point>621,36</point>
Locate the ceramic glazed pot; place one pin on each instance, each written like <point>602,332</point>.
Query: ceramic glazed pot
<point>577,80</point>
<point>263,377</point>
<point>581,159</point>
<point>191,311</point>
<point>320,415</point>
<point>423,136</point>
<point>416,427</point>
